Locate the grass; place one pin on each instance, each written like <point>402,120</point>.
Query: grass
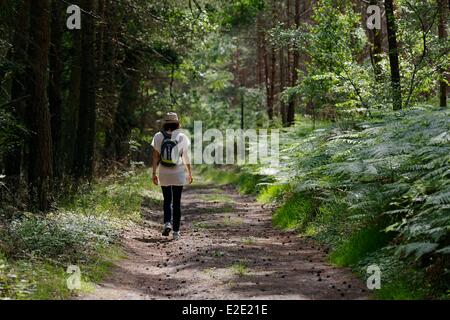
<point>228,221</point>
<point>84,231</point>
<point>400,289</point>
<point>358,246</point>
<point>217,254</point>
<point>239,268</point>
<point>200,225</point>
<point>294,213</point>
<point>118,196</point>
<point>245,179</point>
<point>224,176</point>
<point>248,240</point>
<point>273,193</point>
<point>44,279</point>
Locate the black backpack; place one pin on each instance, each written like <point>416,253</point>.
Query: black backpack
<point>168,149</point>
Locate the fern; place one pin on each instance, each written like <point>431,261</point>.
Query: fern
<point>394,168</point>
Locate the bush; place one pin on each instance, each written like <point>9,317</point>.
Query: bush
<point>64,235</point>
<point>382,183</point>
<point>118,196</point>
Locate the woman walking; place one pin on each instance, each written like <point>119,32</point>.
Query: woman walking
<point>170,155</point>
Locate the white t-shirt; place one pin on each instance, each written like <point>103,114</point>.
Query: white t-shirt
<point>173,176</point>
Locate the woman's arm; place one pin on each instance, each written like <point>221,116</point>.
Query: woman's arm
<point>187,163</point>
<point>190,179</point>
<point>155,162</point>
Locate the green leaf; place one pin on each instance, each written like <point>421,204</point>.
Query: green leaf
<point>418,248</point>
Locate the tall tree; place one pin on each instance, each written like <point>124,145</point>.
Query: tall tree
<point>393,54</point>
<point>85,141</point>
<point>267,76</point>
<point>376,49</point>
<point>40,173</point>
<point>295,66</point>
<point>260,55</point>
<point>55,83</point>
<point>443,7</point>
<point>72,104</point>
<point>289,58</point>
<point>125,118</point>
<point>282,66</point>
<point>13,157</point>
<point>282,75</point>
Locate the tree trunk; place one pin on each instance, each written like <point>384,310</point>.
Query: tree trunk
<point>84,155</point>
<point>108,80</point>
<point>260,52</point>
<point>273,64</point>
<point>13,158</point>
<point>72,104</point>
<point>289,62</point>
<point>40,160</point>
<point>267,74</point>
<point>295,66</point>
<point>393,55</point>
<point>125,119</point>
<point>55,83</point>
<point>282,84</point>
<point>442,30</point>
<point>376,49</point>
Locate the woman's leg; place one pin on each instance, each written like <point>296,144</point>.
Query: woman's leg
<point>177,191</point>
<point>167,194</point>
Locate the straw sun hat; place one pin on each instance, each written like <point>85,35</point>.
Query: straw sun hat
<point>171,117</point>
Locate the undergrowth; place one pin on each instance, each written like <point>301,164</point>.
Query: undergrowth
<point>35,251</point>
<point>376,192</point>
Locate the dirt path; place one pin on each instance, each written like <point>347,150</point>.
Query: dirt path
<point>228,250</point>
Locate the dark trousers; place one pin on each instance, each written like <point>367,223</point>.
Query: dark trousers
<point>172,200</point>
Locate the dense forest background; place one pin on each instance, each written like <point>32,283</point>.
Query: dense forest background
<point>76,105</point>
<point>79,102</point>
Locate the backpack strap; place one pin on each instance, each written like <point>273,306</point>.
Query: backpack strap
<point>166,136</point>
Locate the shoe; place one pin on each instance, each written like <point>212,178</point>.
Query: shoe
<point>167,229</point>
<point>176,235</point>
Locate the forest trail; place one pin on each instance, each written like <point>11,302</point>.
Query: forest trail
<point>228,250</point>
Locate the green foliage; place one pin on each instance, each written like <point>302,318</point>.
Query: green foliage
<point>395,169</point>
<point>35,250</point>
<point>332,77</point>
<point>66,236</point>
<point>359,245</point>
<point>273,193</point>
<point>233,14</point>
<point>247,179</point>
<point>117,196</point>
<point>400,280</point>
<point>239,268</point>
<point>35,279</point>
<point>296,212</point>
<point>381,184</point>
<point>250,182</point>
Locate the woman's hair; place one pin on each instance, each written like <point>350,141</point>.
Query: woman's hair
<point>171,126</point>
